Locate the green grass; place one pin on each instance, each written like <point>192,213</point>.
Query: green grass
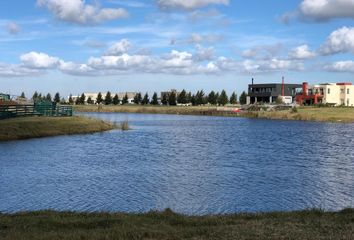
<point>312,224</point>
<point>325,114</point>
<point>35,127</point>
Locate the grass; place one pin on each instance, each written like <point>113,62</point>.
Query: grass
<point>324,114</point>
<point>35,127</point>
<point>190,110</point>
<point>311,224</point>
<point>330,114</point>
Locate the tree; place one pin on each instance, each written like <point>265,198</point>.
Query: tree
<point>212,98</point>
<point>189,97</point>
<point>23,95</point>
<point>164,99</point>
<point>116,99</point>
<point>137,98</point>
<point>82,98</point>
<point>35,95</point>
<point>279,100</point>
<point>172,100</point>
<point>62,101</point>
<point>125,99</point>
<point>154,100</point>
<point>223,99</point>
<point>200,98</point>
<point>193,100</point>
<point>39,96</point>
<point>77,101</point>
<point>108,98</point>
<point>57,98</point>
<point>48,97</point>
<point>182,97</point>
<point>99,98</point>
<point>146,99</point>
<point>71,101</point>
<point>243,98</point>
<point>233,98</point>
<point>89,100</point>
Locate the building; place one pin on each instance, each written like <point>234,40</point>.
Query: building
<point>121,95</point>
<point>269,92</point>
<point>167,93</point>
<point>4,97</point>
<point>328,93</point>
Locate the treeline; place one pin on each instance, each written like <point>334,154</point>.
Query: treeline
<point>39,97</point>
<point>170,98</point>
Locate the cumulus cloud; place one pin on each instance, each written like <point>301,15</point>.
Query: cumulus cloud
<point>301,52</point>
<point>13,28</point>
<point>188,4</point>
<point>39,60</point>
<point>339,41</point>
<point>78,12</point>
<point>204,54</point>
<point>324,10</point>
<point>119,48</point>
<point>321,10</point>
<point>341,66</point>
<point>12,70</point>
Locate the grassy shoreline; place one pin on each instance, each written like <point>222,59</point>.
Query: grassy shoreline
<point>309,224</point>
<point>332,114</point>
<point>36,127</point>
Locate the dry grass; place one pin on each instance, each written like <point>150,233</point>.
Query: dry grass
<point>330,114</point>
<point>34,127</point>
<point>313,224</point>
<point>190,110</point>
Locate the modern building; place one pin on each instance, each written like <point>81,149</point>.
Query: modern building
<point>328,93</point>
<point>269,92</point>
<point>121,95</point>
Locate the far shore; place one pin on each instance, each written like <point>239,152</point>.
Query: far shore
<point>307,224</point>
<point>320,114</point>
<point>36,127</point>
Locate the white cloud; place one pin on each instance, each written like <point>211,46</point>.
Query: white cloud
<point>301,52</point>
<point>321,10</point>
<point>324,10</point>
<point>340,41</point>
<point>39,60</point>
<point>203,54</point>
<point>188,4</point>
<point>341,66</point>
<point>119,48</point>
<point>263,52</point>
<point>13,28</point>
<point>12,70</point>
<point>76,11</point>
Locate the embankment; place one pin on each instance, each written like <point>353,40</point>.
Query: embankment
<point>35,127</point>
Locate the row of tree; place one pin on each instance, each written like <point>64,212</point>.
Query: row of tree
<point>171,98</point>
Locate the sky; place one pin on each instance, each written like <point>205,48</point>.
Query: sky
<point>75,46</point>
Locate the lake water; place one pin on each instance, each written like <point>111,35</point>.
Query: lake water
<point>191,164</point>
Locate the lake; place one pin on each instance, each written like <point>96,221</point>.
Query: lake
<point>191,164</point>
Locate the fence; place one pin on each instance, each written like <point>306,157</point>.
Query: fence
<point>11,111</point>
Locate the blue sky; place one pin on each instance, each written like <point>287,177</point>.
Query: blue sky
<point>75,46</point>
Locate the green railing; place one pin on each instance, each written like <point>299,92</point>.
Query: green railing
<point>11,111</point>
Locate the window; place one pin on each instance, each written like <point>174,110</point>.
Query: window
<point>348,102</point>
<point>348,92</point>
<point>329,91</point>
<point>342,90</point>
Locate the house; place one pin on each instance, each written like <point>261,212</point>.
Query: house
<point>327,93</point>
<point>167,93</point>
<point>269,92</point>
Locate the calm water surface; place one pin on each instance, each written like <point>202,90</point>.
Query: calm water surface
<point>191,164</point>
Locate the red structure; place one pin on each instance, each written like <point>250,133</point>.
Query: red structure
<point>308,96</point>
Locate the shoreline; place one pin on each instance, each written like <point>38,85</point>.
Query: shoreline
<point>307,224</point>
<point>38,127</point>
<point>313,114</point>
